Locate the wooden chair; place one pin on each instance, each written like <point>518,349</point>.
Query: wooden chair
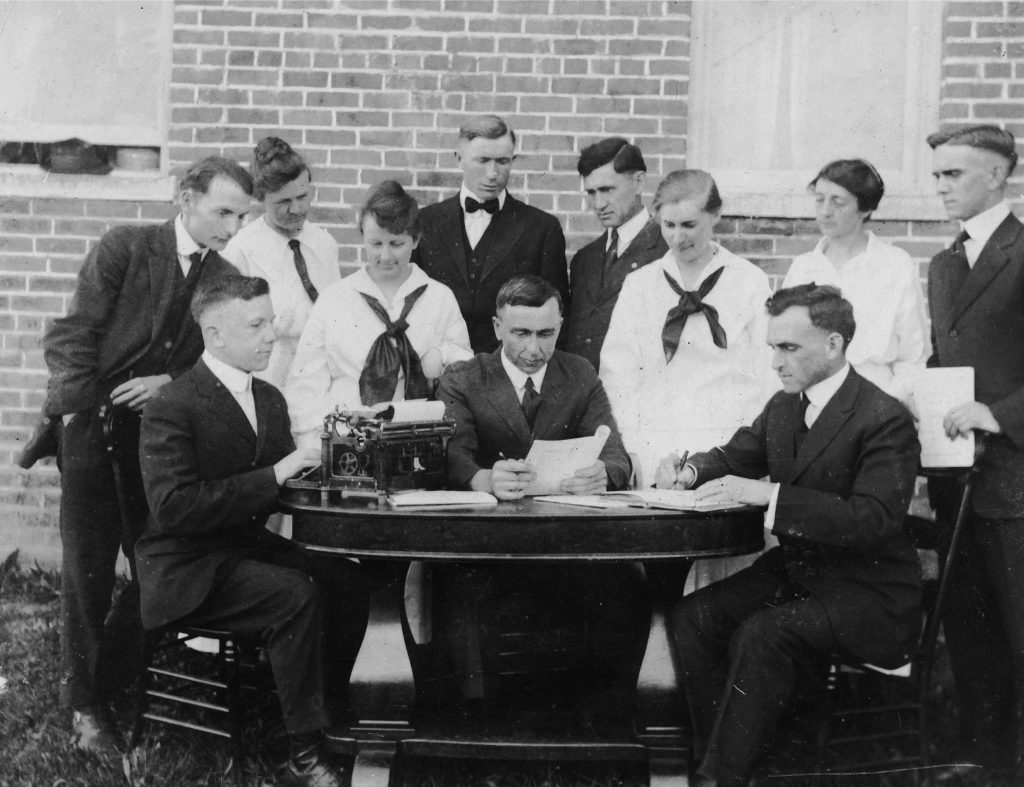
<point>887,712</point>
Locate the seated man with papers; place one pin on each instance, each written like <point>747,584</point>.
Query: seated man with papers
<point>841,457</point>
<point>501,402</point>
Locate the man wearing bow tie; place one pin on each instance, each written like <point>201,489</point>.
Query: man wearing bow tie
<point>476,241</point>
<point>841,458</point>
<point>975,296</point>
<point>127,332</point>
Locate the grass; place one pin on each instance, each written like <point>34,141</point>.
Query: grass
<point>35,749</point>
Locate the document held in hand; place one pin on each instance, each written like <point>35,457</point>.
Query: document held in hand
<point>556,460</point>
<point>936,392</point>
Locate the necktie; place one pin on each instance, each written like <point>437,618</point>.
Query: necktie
<point>690,303</point>
<point>531,402</point>
<point>379,378</point>
<point>489,206</point>
<point>960,266</point>
<point>196,260</point>
<point>612,252</point>
<point>801,422</point>
<point>300,268</point>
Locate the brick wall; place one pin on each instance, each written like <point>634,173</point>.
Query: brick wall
<point>370,89</point>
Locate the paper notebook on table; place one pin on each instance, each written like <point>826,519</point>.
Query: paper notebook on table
<point>674,499</point>
<point>442,498</point>
<point>556,460</point>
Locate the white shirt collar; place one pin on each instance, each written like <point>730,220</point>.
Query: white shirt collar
<point>821,393</point>
<point>235,380</point>
<point>722,258</point>
<point>628,230</point>
<point>981,226</point>
<point>518,376</point>
<point>362,282</point>
<point>464,192</point>
<point>186,246</point>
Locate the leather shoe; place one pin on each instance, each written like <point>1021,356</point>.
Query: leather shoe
<point>93,729</point>
<point>308,767</point>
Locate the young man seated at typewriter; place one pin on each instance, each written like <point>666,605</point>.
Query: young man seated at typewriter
<point>501,402</point>
<point>215,447</point>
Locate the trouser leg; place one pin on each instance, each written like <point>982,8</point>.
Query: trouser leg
<point>282,608</point>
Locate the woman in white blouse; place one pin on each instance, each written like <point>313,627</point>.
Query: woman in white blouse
<point>382,333</point>
<point>298,259</point>
<point>685,361</point>
<point>890,344</point>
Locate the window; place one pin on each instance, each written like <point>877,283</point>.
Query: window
<point>778,89</point>
<point>85,91</point>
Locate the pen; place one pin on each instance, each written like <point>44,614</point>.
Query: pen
<point>682,461</point>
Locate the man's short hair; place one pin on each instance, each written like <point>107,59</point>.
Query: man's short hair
<point>274,166</point>
<point>487,126</point>
<point>220,289</point>
<point>827,307</point>
<point>527,290</point>
<point>624,156</point>
<point>986,137</point>
<point>199,175</point>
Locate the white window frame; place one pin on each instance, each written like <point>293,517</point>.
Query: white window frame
<point>783,194</point>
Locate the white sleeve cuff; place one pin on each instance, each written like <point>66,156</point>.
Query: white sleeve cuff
<point>769,515</point>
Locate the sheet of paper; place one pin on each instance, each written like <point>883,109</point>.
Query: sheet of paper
<point>586,501</point>
<point>556,460</point>
<point>410,410</point>
<point>441,498</point>
<point>675,499</point>
<point>936,391</point>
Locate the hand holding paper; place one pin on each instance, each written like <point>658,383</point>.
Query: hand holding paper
<point>587,481</point>
<point>556,461</point>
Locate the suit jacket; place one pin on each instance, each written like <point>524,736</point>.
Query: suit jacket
<point>210,485</point>
<point>523,239</point>
<point>840,510</point>
<point>594,294</point>
<point>980,323</point>
<point>121,304</point>
<point>489,420</point>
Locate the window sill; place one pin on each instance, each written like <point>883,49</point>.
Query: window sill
<point>19,180</point>
<point>800,205</point>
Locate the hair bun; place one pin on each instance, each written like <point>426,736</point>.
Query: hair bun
<point>270,148</point>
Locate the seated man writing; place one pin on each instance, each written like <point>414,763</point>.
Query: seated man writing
<point>215,447</point>
<point>841,457</point>
<point>501,402</point>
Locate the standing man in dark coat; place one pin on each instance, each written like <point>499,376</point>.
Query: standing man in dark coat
<point>841,458</point>
<point>127,332</point>
<point>477,240</point>
<point>614,174</point>
<point>976,299</point>
<point>216,445</point>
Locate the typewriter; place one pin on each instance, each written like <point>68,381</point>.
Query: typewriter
<point>372,453</point>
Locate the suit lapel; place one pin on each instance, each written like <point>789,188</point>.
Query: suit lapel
<point>836,413</point>
<point>505,230</point>
<point>451,234</point>
<point>991,261</point>
<point>639,249</point>
<point>225,406</point>
<point>551,395</point>
<point>502,396</point>
<point>163,264</point>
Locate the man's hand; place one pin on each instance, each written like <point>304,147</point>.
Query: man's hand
<point>670,476</point>
<point>588,481</point>
<point>733,489</point>
<point>297,460</point>
<point>509,478</point>
<point>964,418</point>
<point>136,392</point>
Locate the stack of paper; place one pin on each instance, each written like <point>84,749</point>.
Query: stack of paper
<point>418,498</point>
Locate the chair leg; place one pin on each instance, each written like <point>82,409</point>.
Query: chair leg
<point>229,654</point>
<point>142,688</point>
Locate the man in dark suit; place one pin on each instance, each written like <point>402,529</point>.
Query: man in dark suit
<point>215,446</point>
<point>127,332</point>
<point>841,457</point>
<point>975,295</point>
<point>477,240</point>
<point>501,402</point>
<point>614,174</point>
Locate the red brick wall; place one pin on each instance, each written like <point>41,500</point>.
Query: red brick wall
<point>372,89</point>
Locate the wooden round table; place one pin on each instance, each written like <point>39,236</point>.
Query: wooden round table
<point>524,531</point>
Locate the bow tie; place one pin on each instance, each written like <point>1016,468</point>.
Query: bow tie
<point>691,303</point>
<point>490,206</point>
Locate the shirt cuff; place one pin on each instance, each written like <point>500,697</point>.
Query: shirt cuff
<point>769,515</point>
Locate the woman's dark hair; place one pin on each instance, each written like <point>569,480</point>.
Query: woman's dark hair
<point>688,184</point>
<point>858,177</point>
<point>275,165</point>
<point>392,208</point>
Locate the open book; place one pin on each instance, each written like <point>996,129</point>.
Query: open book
<point>674,499</point>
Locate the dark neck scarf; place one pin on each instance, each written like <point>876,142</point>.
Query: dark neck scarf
<point>691,303</point>
<point>379,378</point>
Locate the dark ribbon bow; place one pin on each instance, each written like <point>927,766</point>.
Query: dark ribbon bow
<point>490,206</point>
<point>691,303</point>
<point>379,378</point>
